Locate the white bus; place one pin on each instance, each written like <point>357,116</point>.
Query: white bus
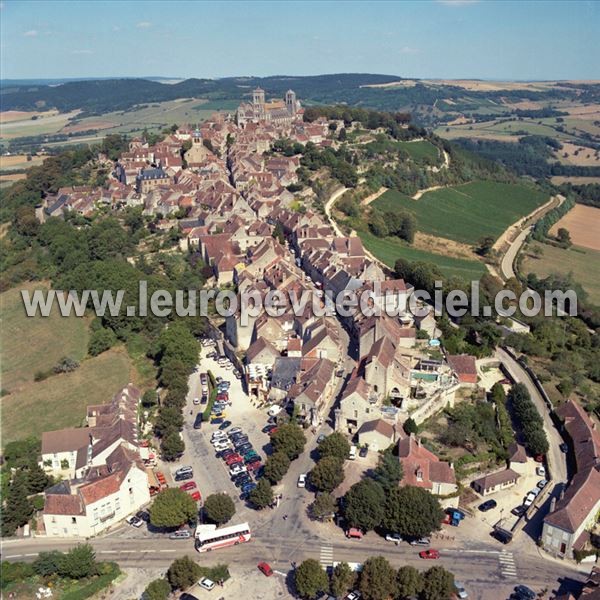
<point>207,540</point>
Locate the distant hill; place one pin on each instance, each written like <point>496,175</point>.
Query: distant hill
<point>104,95</point>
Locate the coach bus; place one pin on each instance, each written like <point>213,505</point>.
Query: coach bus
<point>211,539</point>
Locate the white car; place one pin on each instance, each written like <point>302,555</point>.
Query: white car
<point>235,430</point>
<point>460,590</point>
<point>393,537</point>
<point>237,469</point>
<point>542,483</point>
<point>529,500</point>
<point>196,400</point>
<point>302,480</point>
<point>355,595</point>
<point>535,491</point>
<point>274,410</point>
<point>540,472</point>
<point>206,583</point>
<point>223,446</point>
<point>134,521</point>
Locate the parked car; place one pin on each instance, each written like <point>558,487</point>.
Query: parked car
<point>206,583</point>
<point>268,428</point>
<point>248,487</point>
<point>519,510</point>
<point>460,590</point>
<point>198,421</point>
<point>431,554</point>
<point>237,468</point>
<point>243,448</point>
<point>540,471</point>
<point>424,541</point>
<point>393,537</point>
<point>224,425</point>
<point>564,447</point>
<point>363,451</point>
<point>529,499</point>
<point>321,437</point>
<point>234,430</point>
<point>242,481</point>
<point>542,483</point>
<point>187,596</point>
<point>525,592</point>
<point>254,466</point>
<point>352,453</point>
<point>134,521</point>
<point>265,569</point>
<point>302,480</point>
<point>183,476</point>
<point>234,457</point>
<point>487,505</point>
<point>251,457</point>
<point>218,435</point>
<point>204,399</point>
<point>180,534</point>
<point>274,410</point>
<point>196,401</point>
<point>354,533</point>
<point>355,595</point>
<point>186,469</point>
<point>216,420</point>
<point>197,496</point>
<point>143,515</point>
<point>189,485</point>
<point>226,453</point>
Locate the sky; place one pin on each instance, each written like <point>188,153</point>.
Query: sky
<point>427,39</point>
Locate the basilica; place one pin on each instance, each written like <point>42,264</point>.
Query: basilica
<point>278,112</point>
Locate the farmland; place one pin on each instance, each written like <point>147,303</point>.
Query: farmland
<point>35,344</point>
<point>583,224</point>
<point>575,260</point>
<point>421,150</point>
<point>60,400</point>
<point>388,250</point>
<point>462,213</point>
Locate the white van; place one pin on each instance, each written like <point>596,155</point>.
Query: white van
<point>352,453</point>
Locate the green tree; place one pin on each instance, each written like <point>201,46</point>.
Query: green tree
<point>563,236</point>
<point>172,508</point>
<point>310,579</point>
<point>388,472</point>
<point>410,426</point>
<point>79,562</point>
<point>17,509</point>
<point>183,573</point>
<point>262,495</point>
<point>365,504</point>
<point>159,589</point>
<point>276,466</point>
<point>377,224</point>
<point>409,582</point>
<point>101,340</point>
<point>290,439</point>
<point>485,245</point>
<point>37,479</point>
<point>412,512</point>
<point>438,584</point>
<point>343,579</point>
<point>219,508</point>
<point>335,444</point>
<point>324,505</point>
<point>48,563</point>
<point>327,474</point>
<point>149,399</point>
<point>171,445</point>
<point>169,418</point>
<point>377,579</point>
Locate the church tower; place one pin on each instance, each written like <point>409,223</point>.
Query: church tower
<point>258,102</point>
<point>290,102</point>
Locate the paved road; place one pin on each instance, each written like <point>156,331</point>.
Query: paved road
<point>557,460</point>
<point>508,260</point>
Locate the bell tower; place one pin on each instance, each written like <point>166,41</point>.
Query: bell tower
<point>290,102</point>
<point>258,102</point>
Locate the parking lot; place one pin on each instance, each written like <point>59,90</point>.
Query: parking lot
<point>210,471</point>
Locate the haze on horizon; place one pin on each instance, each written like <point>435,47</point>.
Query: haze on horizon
<point>444,39</point>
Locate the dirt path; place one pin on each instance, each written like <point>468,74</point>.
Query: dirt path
<point>366,201</point>
<point>429,189</point>
<point>328,206</point>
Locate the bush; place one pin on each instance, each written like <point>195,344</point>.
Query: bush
<point>159,589</point>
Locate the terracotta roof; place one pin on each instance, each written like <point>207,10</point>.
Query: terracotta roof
<point>100,488</point>
<point>63,504</point>
<point>422,467</point>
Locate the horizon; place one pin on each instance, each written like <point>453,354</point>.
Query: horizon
<point>442,39</point>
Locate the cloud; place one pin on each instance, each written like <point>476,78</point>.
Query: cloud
<point>408,50</point>
<point>31,33</point>
<point>82,52</point>
<point>143,25</point>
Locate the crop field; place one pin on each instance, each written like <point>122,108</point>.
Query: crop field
<point>421,150</point>
<point>47,123</point>
<point>60,400</point>
<point>388,250</point>
<point>35,344</point>
<point>19,161</point>
<point>462,213</point>
<point>576,260</point>
<point>583,224</point>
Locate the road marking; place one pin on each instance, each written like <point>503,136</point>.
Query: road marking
<point>326,556</point>
<point>507,565</point>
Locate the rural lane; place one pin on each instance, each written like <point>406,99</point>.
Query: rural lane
<point>557,460</point>
<point>328,206</point>
<point>508,260</point>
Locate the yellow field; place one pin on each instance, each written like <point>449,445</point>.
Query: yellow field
<point>8,116</point>
<point>583,223</point>
<point>19,161</point>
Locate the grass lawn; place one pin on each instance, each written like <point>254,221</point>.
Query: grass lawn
<point>35,344</point>
<point>421,150</point>
<point>576,260</point>
<point>468,212</point>
<point>61,400</point>
<point>389,250</point>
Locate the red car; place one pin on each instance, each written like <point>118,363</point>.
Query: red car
<point>265,568</point>
<point>233,458</point>
<point>188,485</point>
<point>254,466</point>
<point>273,431</point>
<point>196,496</point>
<point>222,397</point>
<point>429,554</point>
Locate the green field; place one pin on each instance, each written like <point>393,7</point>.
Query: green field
<point>467,212</point>
<point>421,150</point>
<point>388,250</point>
<point>576,260</point>
<point>35,344</point>
<point>61,400</point>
